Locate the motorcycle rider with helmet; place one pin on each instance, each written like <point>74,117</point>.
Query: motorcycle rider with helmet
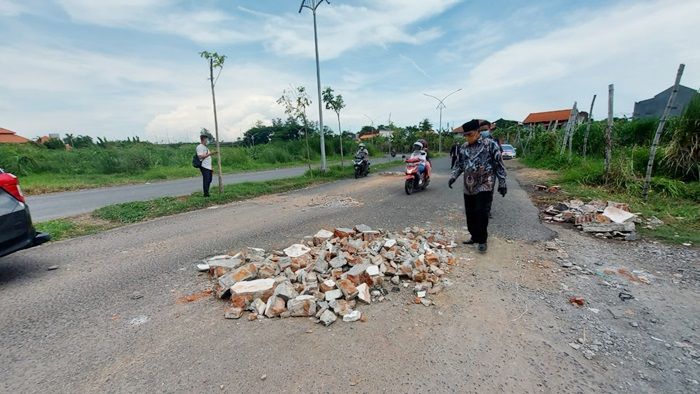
<point>363,153</point>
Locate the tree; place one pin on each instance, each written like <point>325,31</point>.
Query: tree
<point>68,139</point>
<point>215,61</point>
<point>295,102</point>
<point>425,126</point>
<point>335,103</point>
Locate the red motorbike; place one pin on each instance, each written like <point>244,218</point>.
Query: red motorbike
<point>414,181</point>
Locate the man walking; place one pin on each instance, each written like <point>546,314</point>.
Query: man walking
<point>454,154</point>
<point>480,161</point>
<point>205,156</point>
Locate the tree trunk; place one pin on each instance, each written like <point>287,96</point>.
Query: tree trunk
<point>216,125</point>
<point>660,129</point>
<point>608,132</point>
<point>588,127</point>
<point>340,138</point>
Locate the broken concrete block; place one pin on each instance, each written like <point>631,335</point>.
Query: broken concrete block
<point>275,306</point>
<point>201,267</point>
<point>284,262</point>
<point>338,261</point>
<point>227,263</point>
<point>285,290</point>
<point>233,313</point>
<point>372,270</point>
<point>617,215</point>
<point>303,305</point>
<point>327,318</point>
<point>322,236</point>
<point>257,306</point>
<point>259,288</point>
<point>363,293</point>
<point>354,273</point>
<point>361,228</point>
<point>348,288</point>
<point>327,285</point>
<point>246,272</point>
<point>266,271</point>
<point>352,316</point>
<point>343,232</point>
<point>608,227</point>
<point>340,307</point>
<point>369,236</point>
<point>333,294</point>
<point>389,243</point>
<point>297,250</point>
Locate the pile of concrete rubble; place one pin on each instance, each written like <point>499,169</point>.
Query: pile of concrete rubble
<point>604,219</point>
<point>329,274</point>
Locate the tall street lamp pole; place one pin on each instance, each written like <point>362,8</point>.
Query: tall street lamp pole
<point>313,5</point>
<point>441,106</point>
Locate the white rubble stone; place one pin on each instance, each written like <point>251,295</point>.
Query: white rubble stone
<point>255,287</point>
<point>352,316</point>
<point>333,294</point>
<point>327,318</point>
<point>373,270</point>
<point>297,250</point>
<point>363,293</point>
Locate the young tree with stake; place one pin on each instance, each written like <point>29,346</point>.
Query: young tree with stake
<point>215,61</point>
<point>335,103</point>
<point>295,102</point>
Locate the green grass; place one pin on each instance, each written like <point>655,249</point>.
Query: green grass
<point>675,202</point>
<point>116,215</point>
<point>72,227</point>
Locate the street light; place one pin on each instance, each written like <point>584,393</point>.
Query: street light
<point>370,119</point>
<point>313,5</point>
<point>441,106</point>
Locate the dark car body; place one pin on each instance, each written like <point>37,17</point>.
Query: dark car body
<point>16,229</point>
<point>508,151</point>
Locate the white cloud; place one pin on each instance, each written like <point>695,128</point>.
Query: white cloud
<point>11,8</point>
<point>637,47</point>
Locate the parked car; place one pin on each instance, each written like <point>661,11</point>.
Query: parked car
<point>508,151</point>
<point>16,229</point>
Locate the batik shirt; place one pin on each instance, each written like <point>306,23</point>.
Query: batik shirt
<point>481,164</point>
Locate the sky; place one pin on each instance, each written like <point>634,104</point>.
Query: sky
<point>124,68</point>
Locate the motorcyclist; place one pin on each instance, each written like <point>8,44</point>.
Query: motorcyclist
<point>363,153</point>
<point>420,153</point>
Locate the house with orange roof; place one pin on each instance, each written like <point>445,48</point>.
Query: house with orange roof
<point>10,137</point>
<point>549,119</point>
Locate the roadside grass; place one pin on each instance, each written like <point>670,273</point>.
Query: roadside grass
<point>674,202</point>
<point>33,184</point>
<point>117,215</point>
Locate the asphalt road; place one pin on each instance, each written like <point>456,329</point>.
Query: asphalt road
<point>58,205</point>
<point>77,328</point>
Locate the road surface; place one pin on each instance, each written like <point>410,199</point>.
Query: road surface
<point>78,328</point>
<point>64,204</point>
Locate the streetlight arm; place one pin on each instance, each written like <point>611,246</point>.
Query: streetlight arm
<point>451,94</point>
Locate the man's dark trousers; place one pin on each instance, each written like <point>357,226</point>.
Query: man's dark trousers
<point>206,180</point>
<point>477,208</point>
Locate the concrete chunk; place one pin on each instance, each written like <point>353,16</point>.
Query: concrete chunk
<point>333,294</point>
<point>259,288</point>
<point>303,305</point>
<point>352,316</point>
<point>297,250</point>
<point>327,318</point>
<point>286,290</point>
<point>348,288</point>
<point>363,293</point>
<point>608,227</point>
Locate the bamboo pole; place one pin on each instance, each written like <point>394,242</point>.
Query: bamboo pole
<point>588,127</point>
<point>608,131</point>
<point>216,126</point>
<point>660,129</point>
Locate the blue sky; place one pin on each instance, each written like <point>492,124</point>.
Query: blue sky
<point>119,68</point>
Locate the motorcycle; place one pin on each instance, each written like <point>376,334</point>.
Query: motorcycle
<point>361,166</point>
<point>414,181</point>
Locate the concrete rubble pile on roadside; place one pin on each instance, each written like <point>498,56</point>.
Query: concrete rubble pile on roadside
<point>330,274</point>
<point>604,219</point>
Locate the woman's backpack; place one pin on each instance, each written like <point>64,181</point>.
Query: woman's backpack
<point>196,161</point>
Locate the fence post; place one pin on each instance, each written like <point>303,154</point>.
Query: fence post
<point>588,127</point>
<point>572,130</point>
<point>608,132</point>
<point>660,129</point>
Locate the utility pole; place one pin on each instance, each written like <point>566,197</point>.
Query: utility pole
<point>660,129</point>
<point>313,6</point>
<point>441,106</point>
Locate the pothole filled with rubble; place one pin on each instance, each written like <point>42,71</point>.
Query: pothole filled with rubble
<point>331,274</point>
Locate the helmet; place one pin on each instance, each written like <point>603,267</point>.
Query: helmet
<point>418,145</point>
<point>424,142</point>
<point>361,145</point>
